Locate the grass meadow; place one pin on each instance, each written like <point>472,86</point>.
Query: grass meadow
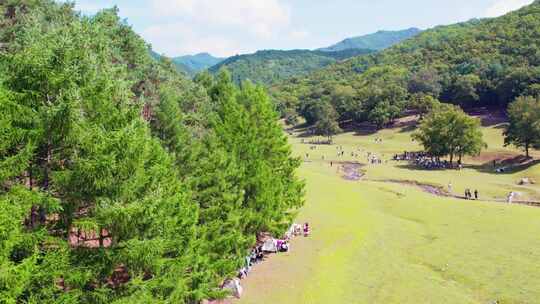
<point>380,242</point>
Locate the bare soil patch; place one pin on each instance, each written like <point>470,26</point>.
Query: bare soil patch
<point>351,171</point>
<point>431,189</point>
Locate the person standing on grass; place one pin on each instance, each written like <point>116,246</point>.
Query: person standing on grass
<point>476,194</point>
<point>306,229</point>
<point>450,188</point>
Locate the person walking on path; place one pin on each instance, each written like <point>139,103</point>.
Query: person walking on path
<point>510,197</point>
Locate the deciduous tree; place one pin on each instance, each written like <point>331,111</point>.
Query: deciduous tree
<point>448,131</point>
<point>523,129</point>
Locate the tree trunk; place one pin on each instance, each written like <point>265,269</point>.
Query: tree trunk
<point>47,166</point>
<point>527,144</point>
<point>100,237</point>
<point>29,176</point>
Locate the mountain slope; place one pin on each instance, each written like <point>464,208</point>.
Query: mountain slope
<point>180,67</point>
<point>269,66</point>
<point>376,41</point>
<point>198,62</point>
<point>480,62</point>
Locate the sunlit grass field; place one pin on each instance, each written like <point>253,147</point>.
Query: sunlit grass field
<point>378,242</point>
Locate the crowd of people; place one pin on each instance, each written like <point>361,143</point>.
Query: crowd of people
<point>263,248</point>
<point>317,141</point>
<point>423,160</point>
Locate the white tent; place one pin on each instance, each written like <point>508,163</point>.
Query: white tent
<point>270,245</point>
<point>234,286</point>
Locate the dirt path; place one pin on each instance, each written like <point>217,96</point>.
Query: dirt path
<point>440,191</point>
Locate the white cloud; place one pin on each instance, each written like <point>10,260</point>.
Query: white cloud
<point>299,34</point>
<point>501,7</point>
<point>261,18</point>
<point>180,39</point>
<point>220,27</point>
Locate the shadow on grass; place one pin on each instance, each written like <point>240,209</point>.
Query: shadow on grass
<point>414,167</point>
<point>407,129</point>
<point>306,134</point>
<point>511,165</point>
<point>365,131</point>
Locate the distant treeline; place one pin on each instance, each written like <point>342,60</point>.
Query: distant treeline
<point>487,62</point>
<point>270,66</point>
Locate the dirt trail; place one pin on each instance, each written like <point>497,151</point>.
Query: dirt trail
<point>440,191</point>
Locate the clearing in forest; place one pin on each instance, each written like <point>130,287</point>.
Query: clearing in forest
<point>375,241</point>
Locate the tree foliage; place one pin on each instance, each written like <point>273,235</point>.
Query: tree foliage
<point>523,130</point>
<point>270,66</point>
<point>121,181</point>
<point>486,62</point>
<point>448,131</point>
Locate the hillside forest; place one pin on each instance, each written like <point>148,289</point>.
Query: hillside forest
<point>483,62</point>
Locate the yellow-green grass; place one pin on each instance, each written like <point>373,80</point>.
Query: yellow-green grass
<point>478,173</point>
<point>376,242</point>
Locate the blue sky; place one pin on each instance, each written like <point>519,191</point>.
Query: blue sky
<point>229,27</point>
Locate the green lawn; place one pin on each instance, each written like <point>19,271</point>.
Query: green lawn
<point>375,242</point>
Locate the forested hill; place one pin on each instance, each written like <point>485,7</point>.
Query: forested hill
<point>481,62</point>
<point>180,67</point>
<point>266,67</point>
<point>198,62</point>
<point>376,41</point>
<point>122,181</point>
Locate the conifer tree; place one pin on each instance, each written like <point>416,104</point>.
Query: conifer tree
<point>171,180</point>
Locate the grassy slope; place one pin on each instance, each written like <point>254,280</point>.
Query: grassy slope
<point>375,242</point>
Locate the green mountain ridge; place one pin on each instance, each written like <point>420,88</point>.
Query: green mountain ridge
<point>483,62</point>
<point>180,67</point>
<point>376,41</point>
<point>190,64</point>
<point>269,66</point>
<point>198,62</point>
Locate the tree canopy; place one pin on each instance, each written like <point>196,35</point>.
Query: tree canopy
<point>121,181</point>
<point>523,130</point>
<point>270,66</point>
<point>448,131</point>
<point>487,62</point>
